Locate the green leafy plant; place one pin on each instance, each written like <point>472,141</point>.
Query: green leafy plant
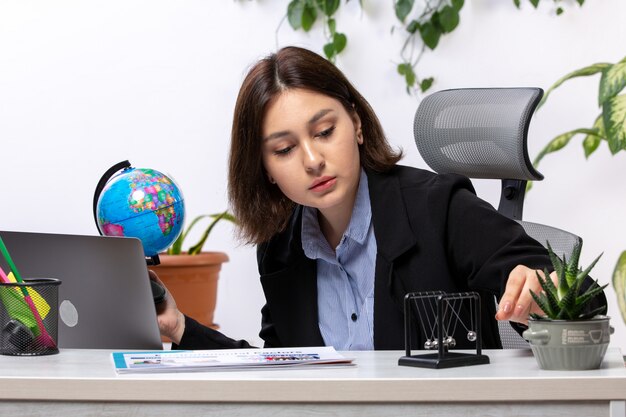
<point>568,301</point>
<point>557,3</point>
<point>435,20</point>
<point>619,283</point>
<point>176,248</point>
<point>424,24</point>
<point>610,124</point>
<point>302,14</point>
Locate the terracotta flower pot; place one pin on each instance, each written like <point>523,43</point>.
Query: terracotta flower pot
<point>192,281</point>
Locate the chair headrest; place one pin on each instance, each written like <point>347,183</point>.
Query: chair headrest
<point>478,132</point>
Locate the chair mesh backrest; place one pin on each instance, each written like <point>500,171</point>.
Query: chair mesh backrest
<point>562,242</point>
<point>477,132</point>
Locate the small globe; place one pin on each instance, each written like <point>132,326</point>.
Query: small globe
<point>142,203</point>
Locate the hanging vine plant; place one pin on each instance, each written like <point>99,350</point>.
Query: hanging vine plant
<point>423,28</point>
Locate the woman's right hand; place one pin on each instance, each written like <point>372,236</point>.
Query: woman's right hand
<point>171,321</point>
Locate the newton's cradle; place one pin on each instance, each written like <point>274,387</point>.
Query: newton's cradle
<point>440,314</point>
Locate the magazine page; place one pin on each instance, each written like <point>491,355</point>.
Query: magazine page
<point>221,359</point>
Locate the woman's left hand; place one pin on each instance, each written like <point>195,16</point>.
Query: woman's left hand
<point>516,303</point>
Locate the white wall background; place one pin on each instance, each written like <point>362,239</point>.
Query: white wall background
<point>86,84</point>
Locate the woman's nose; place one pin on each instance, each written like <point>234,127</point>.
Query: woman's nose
<point>313,158</point>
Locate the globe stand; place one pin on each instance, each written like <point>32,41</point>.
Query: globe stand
<point>103,181</point>
<point>153,260</point>
<point>445,311</point>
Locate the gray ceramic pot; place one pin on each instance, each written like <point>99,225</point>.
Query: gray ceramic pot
<point>569,345</point>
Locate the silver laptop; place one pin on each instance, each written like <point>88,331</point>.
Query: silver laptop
<point>105,300</point>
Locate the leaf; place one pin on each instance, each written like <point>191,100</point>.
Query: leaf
<point>406,70</point>
<point>458,4</point>
<point>413,26</point>
<point>572,266</point>
<point>583,274</point>
<point>339,41</point>
<point>176,248</point>
<point>613,81</point>
<point>516,3</point>
<point>558,265</point>
<point>332,26</point>
<point>549,291</point>
<point>582,72</point>
<point>403,8</point>
<point>619,283</point>
<point>195,249</point>
<point>449,19</point>
<point>614,112</point>
<point>426,84</point>
<point>560,142</point>
<point>328,7</point>
<point>580,2</point>
<point>542,302</point>
<point>535,3</point>
<point>591,293</point>
<point>329,51</point>
<point>430,35</point>
<point>591,142</point>
<point>309,16</point>
<point>295,10</point>
<point>567,304</point>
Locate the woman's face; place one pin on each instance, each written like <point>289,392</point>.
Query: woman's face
<point>311,149</point>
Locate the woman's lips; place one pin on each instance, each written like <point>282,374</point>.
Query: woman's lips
<point>323,184</point>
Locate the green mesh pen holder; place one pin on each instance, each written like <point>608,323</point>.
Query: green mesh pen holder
<point>29,317</point>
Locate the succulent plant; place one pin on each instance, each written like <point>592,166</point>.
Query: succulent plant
<point>568,301</point>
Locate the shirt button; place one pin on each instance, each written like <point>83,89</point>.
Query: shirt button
<point>353,317</point>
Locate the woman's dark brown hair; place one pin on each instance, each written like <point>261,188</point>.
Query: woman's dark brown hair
<point>259,206</point>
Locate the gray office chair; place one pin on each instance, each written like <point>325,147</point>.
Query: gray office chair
<point>482,133</point>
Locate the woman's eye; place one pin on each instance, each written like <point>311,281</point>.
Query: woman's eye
<point>283,151</point>
<point>326,132</point>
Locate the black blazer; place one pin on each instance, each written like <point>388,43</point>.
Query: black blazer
<point>432,233</point>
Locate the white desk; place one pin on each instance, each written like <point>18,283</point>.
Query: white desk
<point>83,383</point>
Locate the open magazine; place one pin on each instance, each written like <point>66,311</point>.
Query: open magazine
<point>222,359</point>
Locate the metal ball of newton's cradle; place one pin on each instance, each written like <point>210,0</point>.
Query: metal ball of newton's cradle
<point>428,344</point>
<point>471,336</point>
<point>450,342</point>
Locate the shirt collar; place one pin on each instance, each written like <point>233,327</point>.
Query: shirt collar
<point>314,243</point>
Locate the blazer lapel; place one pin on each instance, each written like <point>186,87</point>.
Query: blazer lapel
<point>290,287</point>
<point>394,237</point>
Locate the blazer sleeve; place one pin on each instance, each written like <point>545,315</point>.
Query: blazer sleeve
<point>198,336</point>
<point>485,245</point>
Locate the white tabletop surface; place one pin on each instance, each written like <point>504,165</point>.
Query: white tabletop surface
<point>76,374</point>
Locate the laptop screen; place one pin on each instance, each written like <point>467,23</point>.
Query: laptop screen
<point>105,300</point>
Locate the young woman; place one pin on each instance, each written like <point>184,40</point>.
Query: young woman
<point>343,232</point>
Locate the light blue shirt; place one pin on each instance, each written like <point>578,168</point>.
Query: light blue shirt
<point>345,276</point>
